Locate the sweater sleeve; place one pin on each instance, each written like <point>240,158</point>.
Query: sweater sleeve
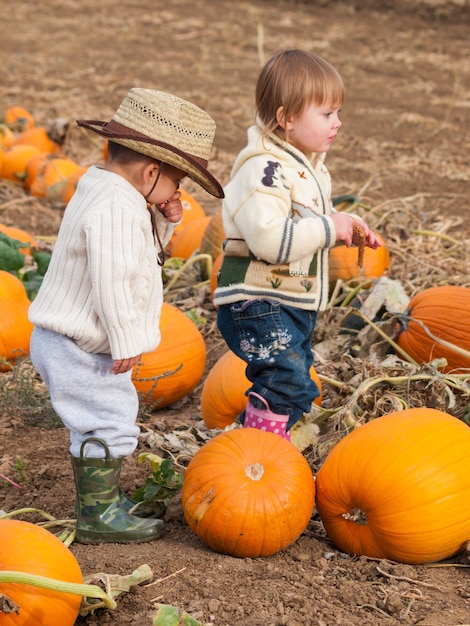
<point>116,243</point>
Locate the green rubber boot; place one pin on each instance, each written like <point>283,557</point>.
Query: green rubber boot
<point>102,516</point>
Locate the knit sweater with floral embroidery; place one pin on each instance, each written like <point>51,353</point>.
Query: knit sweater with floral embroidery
<point>104,286</point>
<point>276,216</point>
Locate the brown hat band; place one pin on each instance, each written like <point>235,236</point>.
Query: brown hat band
<point>114,130</point>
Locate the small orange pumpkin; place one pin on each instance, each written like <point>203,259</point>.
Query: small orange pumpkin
<point>15,327</point>
<point>182,350</point>
<point>343,262</point>
<point>15,160</point>
<point>70,184</point>
<point>248,493</point>
<point>18,118</point>
<point>34,170</point>
<point>55,176</point>
<point>441,312</point>
<point>37,136</point>
<point>21,235</point>
<point>398,488</point>
<point>223,393</point>
<point>31,549</point>
<point>187,240</point>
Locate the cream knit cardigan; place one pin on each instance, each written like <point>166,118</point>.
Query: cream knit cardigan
<point>276,216</point>
<point>103,287</point>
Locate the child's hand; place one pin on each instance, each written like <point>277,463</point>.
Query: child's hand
<point>124,365</point>
<point>172,209</point>
<point>344,225</point>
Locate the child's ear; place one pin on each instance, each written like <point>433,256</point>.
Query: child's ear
<point>284,122</point>
<point>280,117</point>
<point>151,171</point>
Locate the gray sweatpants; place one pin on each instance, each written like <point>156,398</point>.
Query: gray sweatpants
<point>90,400</point>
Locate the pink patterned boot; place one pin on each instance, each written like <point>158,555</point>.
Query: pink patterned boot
<point>265,419</point>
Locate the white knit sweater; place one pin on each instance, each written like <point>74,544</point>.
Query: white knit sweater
<point>104,287</point>
<point>276,216</point>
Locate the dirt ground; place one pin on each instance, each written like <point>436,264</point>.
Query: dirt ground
<point>404,149</point>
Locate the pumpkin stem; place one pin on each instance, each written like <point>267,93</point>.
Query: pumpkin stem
<point>255,471</point>
<point>26,578</point>
<point>357,516</point>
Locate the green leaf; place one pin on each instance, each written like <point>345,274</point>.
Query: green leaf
<point>31,281</point>
<point>11,259</point>
<point>160,487</point>
<point>42,260</point>
<point>168,615</point>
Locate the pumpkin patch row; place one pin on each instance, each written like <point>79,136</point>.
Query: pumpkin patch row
<point>28,156</point>
<point>396,488</point>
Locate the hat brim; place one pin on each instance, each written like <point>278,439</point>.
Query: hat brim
<point>194,167</point>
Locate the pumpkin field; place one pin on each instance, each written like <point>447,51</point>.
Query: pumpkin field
<point>363,518</point>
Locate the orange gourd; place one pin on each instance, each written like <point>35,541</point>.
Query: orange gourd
<point>37,136</point>
<point>18,118</point>
<point>187,240</point>
<point>248,493</point>
<point>15,328</point>
<point>223,393</point>
<point>15,160</point>
<point>182,350</point>
<point>213,237</point>
<point>31,549</point>
<point>399,488</point>
<point>21,235</point>
<point>343,262</point>
<point>442,313</point>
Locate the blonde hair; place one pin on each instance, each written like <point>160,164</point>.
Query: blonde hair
<point>294,79</point>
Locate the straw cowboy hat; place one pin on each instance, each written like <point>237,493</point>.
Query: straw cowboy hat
<point>166,128</point>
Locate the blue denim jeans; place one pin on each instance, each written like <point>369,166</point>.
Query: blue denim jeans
<point>275,341</point>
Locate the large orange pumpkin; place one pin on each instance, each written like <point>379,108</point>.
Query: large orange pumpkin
<point>223,393</point>
<point>15,328</point>
<point>399,488</point>
<point>182,350</point>
<point>343,262</point>
<point>187,240</point>
<point>441,312</point>
<point>248,493</point>
<point>31,549</point>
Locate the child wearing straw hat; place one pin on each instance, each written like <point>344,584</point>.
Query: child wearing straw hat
<point>98,308</point>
